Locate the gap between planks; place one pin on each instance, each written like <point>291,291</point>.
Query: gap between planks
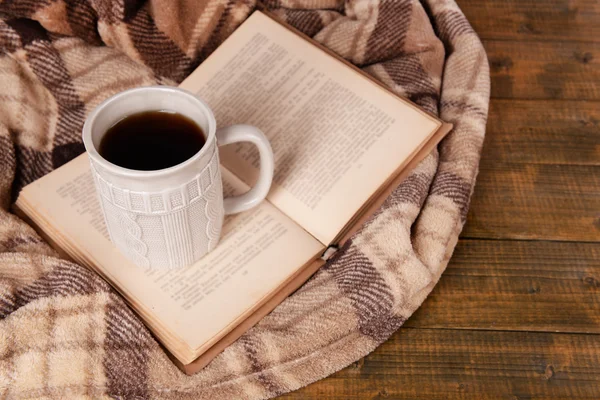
<point>497,330</point>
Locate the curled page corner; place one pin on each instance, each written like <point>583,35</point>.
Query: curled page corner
<point>329,252</point>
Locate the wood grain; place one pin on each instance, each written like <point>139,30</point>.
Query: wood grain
<point>548,20</point>
<point>543,132</point>
<point>535,201</point>
<point>443,364</point>
<point>544,70</point>
<point>517,285</point>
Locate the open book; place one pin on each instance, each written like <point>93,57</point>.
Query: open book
<point>341,143</point>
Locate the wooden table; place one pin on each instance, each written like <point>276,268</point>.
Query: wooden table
<point>517,313</point>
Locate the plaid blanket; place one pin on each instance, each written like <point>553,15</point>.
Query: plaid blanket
<point>64,333</point>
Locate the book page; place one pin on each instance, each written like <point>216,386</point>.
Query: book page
<point>259,250</point>
<point>336,135</point>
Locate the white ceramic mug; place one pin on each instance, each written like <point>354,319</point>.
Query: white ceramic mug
<point>169,217</point>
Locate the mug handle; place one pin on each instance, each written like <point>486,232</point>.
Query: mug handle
<point>249,133</point>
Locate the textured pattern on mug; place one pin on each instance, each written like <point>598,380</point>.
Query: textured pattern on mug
<point>166,229</point>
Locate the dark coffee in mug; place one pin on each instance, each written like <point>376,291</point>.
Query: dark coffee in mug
<point>151,140</point>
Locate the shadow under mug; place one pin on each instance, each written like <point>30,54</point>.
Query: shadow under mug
<point>170,217</point>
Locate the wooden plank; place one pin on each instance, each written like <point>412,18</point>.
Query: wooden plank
<point>544,70</point>
<point>534,19</point>
<point>454,364</point>
<point>515,285</point>
<point>543,132</point>
<point>535,201</point>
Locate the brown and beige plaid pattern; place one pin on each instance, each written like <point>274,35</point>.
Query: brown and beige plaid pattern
<point>64,333</point>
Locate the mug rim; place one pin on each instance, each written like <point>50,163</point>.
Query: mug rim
<point>134,173</point>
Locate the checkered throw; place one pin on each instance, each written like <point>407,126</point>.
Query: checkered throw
<point>64,333</point>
